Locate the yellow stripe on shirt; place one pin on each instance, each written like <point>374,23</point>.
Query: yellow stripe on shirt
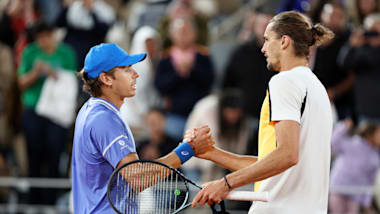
<point>267,135</point>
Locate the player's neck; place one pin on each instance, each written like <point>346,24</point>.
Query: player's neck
<point>117,101</point>
<point>290,62</point>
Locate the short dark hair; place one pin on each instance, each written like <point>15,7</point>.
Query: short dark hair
<point>93,86</point>
<point>230,98</point>
<point>42,26</point>
<point>301,30</point>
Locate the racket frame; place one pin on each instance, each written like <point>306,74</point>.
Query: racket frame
<point>186,181</point>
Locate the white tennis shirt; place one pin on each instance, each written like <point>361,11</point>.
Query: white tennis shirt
<point>299,96</point>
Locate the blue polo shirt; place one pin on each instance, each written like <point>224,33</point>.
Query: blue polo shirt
<point>101,141</point>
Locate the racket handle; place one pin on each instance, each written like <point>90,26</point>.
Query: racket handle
<point>248,196</point>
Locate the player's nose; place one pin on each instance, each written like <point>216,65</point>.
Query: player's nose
<point>135,73</point>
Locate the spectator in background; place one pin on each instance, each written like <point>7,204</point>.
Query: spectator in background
<point>184,75</point>
<point>134,109</point>
<point>183,9</point>
<point>45,139</point>
<point>363,59</point>
<point>316,9</point>
<point>9,113</point>
<point>298,5</point>
<point>356,164</point>
<point>363,8</point>
<point>247,66</point>
<point>325,62</point>
<point>16,24</point>
<point>148,12</point>
<point>87,23</point>
<point>158,143</point>
<point>50,9</point>
<point>9,98</point>
<point>230,126</point>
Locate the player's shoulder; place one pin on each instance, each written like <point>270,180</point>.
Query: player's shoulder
<point>101,115</point>
<point>294,81</point>
<point>296,75</point>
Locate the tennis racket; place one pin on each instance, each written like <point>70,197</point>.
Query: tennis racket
<point>146,186</point>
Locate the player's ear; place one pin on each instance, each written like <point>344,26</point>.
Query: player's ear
<point>285,42</point>
<point>105,79</point>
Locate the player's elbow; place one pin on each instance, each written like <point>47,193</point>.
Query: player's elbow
<point>289,156</point>
<point>292,159</point>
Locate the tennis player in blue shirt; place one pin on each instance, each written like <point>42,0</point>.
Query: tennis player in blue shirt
<point>102,140</point>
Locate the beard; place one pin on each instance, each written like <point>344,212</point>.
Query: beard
<point>270,67</point>
<point>274,66</point>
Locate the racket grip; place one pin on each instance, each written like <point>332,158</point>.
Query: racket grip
<point>248,196</point>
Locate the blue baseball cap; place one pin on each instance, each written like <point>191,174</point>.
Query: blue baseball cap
<point>104,57</point>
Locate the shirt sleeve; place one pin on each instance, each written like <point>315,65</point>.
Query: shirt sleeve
<point>112,139</point>
<point>286,98</point>
<point>26,62</point>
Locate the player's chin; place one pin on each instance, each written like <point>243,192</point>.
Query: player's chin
<point>131,94</point>
<point>271,67</point>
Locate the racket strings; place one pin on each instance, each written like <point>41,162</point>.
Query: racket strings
<point>147,188</point>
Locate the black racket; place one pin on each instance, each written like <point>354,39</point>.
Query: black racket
<point>146,186</point>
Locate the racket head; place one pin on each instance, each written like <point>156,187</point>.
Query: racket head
<point>146,186</point>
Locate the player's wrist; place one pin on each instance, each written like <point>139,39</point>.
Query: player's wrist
<point>191,144</point>
<point>227,184</point>
<point>184,152</point>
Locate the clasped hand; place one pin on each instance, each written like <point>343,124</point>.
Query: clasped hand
<point>215,191</point>
<point>200,139</point>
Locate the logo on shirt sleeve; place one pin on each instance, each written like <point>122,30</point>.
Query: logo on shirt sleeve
<point>123,144</point>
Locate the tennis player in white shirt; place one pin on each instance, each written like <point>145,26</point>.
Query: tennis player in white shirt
<point>295,128</point>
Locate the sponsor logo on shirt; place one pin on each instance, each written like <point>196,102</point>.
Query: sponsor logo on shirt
<point>122,144</point>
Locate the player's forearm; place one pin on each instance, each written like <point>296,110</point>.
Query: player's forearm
<point>273,164</point>
<point>134,174</point>
<point>279,160</point>
<point>171,159</point>
<point>229,160</point>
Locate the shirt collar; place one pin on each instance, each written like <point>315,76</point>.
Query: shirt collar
<point>105,103</point>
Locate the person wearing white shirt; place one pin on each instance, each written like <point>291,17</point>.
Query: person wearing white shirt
<point>295,129</point>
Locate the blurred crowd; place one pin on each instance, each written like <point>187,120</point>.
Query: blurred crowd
<point>186,81</point>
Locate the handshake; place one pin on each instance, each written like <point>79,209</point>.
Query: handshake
<point>200,140</point>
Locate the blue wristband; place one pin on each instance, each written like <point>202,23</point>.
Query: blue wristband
<point>184,152</point>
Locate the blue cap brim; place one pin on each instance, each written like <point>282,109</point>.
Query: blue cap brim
<point>132,59</point>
